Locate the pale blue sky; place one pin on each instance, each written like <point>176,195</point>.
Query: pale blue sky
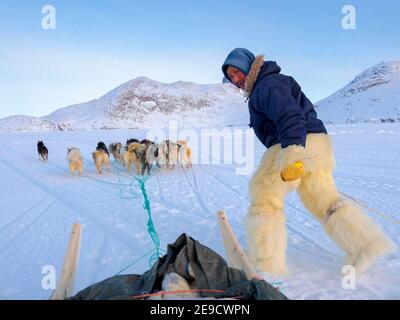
<point>100,44</point>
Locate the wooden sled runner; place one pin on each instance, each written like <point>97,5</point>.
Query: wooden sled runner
<point>65,284</point>
<point>236,256</point>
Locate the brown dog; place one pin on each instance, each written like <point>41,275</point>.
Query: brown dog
<point>75,160</point>
<point>135,155</point>
<point>101,158</point>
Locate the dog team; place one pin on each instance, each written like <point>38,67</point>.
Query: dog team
<point>141,154</point>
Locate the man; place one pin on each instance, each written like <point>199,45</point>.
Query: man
<point>299,156</point>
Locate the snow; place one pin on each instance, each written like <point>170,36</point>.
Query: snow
<point>39,202</point>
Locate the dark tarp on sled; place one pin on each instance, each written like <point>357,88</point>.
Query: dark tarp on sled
<point>209,271</point>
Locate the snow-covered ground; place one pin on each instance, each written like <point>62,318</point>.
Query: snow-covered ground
<point>39,202</point>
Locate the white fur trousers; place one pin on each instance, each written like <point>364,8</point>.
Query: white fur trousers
<point>357,234</point>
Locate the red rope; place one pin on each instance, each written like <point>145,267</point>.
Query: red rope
<point>175,292</point>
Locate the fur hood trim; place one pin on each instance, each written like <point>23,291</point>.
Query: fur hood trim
<point>253,74</point>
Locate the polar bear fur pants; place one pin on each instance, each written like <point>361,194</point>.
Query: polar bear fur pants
<point>361,239</point>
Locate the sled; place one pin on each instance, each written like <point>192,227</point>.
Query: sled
<point>236,256</point>
<point>65,284</point>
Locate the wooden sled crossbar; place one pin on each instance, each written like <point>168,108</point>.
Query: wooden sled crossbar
<point>236,256</point>
<point>65,284</point>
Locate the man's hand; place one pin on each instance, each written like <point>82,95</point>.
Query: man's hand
<point>293,172</point>
<point>294,162</point>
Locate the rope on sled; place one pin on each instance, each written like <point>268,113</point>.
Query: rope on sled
<point>380,213</point>
<point>134,262</point>
<point>150,225</point>
<point>162,293</point>
<point>130,188</point>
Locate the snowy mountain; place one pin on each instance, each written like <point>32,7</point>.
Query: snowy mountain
<point>144,103</point>
<point>28,123</point>
<point>373,96</point>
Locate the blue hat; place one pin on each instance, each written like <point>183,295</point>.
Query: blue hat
<point>240,58</point>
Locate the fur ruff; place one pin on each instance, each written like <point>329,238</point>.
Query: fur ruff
<point>253,75</point>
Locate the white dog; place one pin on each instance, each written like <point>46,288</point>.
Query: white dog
<point>184,154</point>
<point>168,154</point>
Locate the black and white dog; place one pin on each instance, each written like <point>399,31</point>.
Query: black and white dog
<point>42,151</point>
<point>102,147</point>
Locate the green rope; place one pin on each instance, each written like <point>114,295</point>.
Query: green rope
<point>150,224</point>
<point>130,189</point>
<point>134,262</point>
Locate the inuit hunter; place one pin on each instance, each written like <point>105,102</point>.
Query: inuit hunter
<point>299,156</point>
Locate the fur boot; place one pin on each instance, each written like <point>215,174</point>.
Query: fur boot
<point>267,241</point>
<point>357,235</point>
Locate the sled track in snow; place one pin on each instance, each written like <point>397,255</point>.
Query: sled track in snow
<point>208,214</point>
<point>24,213</point>
<point>223,183</point>
<point>163,200</point>
<point>29,220</point>
<point>368,184</point>
<point>126,241</point>
<point>195,192</point>
<point>369,164</point>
